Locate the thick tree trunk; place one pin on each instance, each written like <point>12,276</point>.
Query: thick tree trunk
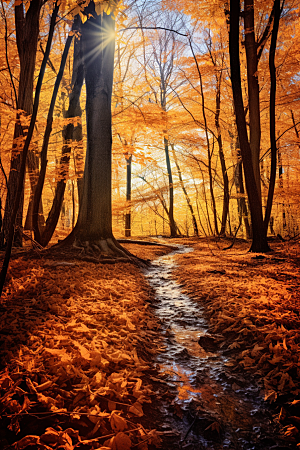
<point>253,89</point>
<point>93,230</point>
<point>259,238</point>
<point>27,33</point>
<point>25,149</point>
<point>95,214</point>
<point>128,196</point>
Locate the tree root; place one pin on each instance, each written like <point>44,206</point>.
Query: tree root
<point>104,251</point>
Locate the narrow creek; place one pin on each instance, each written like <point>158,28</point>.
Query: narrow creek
<point>212,407</point>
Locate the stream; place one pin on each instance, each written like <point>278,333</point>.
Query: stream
<point>212,407</point>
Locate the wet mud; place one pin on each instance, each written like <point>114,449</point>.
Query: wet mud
<point>212,407</point>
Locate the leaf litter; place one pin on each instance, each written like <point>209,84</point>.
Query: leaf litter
<point>76,343</point>
<point>77,339</point>
<point>252,303</point>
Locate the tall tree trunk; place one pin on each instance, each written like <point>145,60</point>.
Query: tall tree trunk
<point>95,214</point>
<point>27,33</point>
<point>188,200</point>
<point>222,158</point>
<point>172,224</point>
<point>93,230</point>
<point>70,133</point>
<point>25,149</point>
<point>253,89</point>
<point>41,180</point>
<point>239,183</point>
<point>277,13</point>
<point>128,195</point>
<point>259,236</point>
<point>33,173</point>
<point>209,152</point>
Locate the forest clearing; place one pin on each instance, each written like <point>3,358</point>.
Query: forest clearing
<point>80,344</point>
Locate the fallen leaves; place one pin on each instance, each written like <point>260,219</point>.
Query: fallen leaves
<point>75,348</point>
<point>256,308</point>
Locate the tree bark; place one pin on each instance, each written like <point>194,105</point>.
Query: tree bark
<point>209,153</point>
<point>272,68</point>
<point>70,133</point>
<point>188,200</point>
<point>41,179</point>
<point>222,158</point>
<point>253,89</point>
<point>33,173</point>
<point>259,236</point>
<point>27,33</point>
<point>172,224</point>
<point>25,149</point>
<point>128,195</point>
<point>242,200</point>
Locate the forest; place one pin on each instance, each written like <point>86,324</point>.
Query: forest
<point>149,224</point>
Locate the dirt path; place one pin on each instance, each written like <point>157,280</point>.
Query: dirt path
<point>80,344</point>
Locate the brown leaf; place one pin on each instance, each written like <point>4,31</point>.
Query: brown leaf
<point>117,423</point>
<point>112,406</point>
<point>50,436</point>
<point>136,409</point>
<point>123,442</point>
<point>27,440</point>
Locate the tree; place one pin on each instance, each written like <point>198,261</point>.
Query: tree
<point>259,233</point>
<point>69,132</point>
<point>93,230</point>
<point>27,33</point>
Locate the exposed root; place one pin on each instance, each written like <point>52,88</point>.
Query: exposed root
<point>104,251</point>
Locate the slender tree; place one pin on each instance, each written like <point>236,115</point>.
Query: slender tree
<point>259,235</point>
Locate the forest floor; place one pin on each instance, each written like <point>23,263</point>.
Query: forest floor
<point>79,340</point>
